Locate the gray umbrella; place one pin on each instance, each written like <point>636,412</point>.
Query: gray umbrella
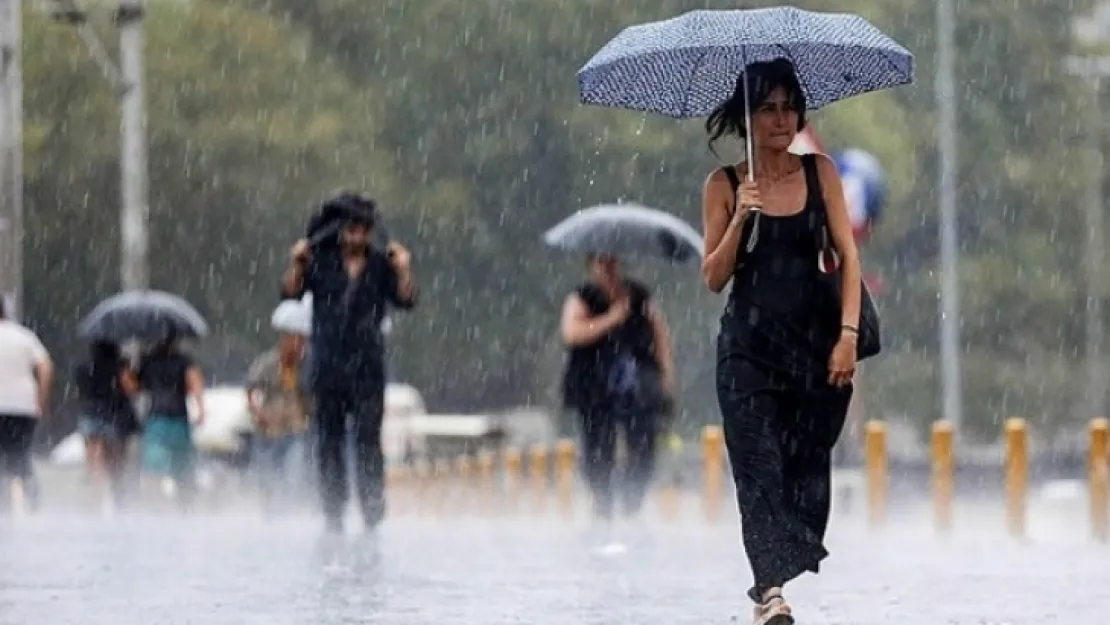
<point>627,230</point>
<point>144,315</point>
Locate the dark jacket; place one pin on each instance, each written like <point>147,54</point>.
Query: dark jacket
<point>347,343</point>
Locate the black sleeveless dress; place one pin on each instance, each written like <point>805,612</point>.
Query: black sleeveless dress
<point>781,418</point>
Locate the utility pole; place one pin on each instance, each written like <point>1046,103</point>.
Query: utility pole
<point>1090,32</point>
<point>951,388</point>
<point>127,81</point>
<point>135,208</point>
<point>11,156</point>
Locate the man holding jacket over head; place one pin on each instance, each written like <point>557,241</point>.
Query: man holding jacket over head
<point>352,283</point>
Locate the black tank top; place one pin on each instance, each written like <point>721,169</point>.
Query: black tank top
<point>781,315</point>
<point>584,381</point>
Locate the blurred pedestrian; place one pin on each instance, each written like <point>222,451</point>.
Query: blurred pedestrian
<point>786,352</point>
<point>26,377</point>
<point>277,401</point>
<point>352,282</point>
<point>106,387</point>
<point>169,378</point>
<point>619,377</point>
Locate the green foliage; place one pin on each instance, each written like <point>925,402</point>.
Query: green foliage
<point>462,118</point>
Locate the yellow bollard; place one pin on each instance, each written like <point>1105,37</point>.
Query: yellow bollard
<point>944,474</point>
<point>1098,472</point>
<point>1017,469</point>
<point>875,454</point>
<point>460,491</point>
<point>564,477</point>
<point>422,474</point>
<point>669,493</point>
<point>485,482</point>
<point>712,444</point>
<point>539,472</point>
<point>397,482</point>
<point>513,465</point>
<point>441,473</point>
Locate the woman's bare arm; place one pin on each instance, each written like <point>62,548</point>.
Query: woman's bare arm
<point>194,386</point>
<point>128,381</point>
<point>840,229</point>
<point>578,328</point>
<point>721,231</point>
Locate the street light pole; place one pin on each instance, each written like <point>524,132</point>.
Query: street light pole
<point>11,156</point>
<point>1092,70</point>
<point>951,388</point>
<point>135,208</point>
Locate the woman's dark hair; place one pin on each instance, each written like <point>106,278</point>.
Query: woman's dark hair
<point>763,78</point>
<point>105,352</point>
<point>103,366</point>
<point>167,344</point>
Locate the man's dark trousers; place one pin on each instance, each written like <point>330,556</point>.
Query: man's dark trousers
<point>364,405</point>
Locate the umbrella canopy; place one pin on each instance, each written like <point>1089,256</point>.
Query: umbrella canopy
<point>686,66</point>
<point>144,315</point>
<point>627,230</point>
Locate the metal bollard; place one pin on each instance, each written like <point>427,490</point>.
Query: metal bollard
<point>944,474</point>
<point>564,477</point>
<point>669,496</point>
<point>539,473</point>
<point>875,453</point>
<point>422,474</point>
<point>441,473</point>
<point>461,490</point>
<point>485,482</point>
<point>1098,476</point>
<point>712,444</point>
<point>397,483</point>
<point>1017,469</point>
<point>513,465</point>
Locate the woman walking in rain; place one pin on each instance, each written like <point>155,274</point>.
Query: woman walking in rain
<point>618,377</point>
<point>786,352</point>
<point>105,386</point>
<point>169,377</point>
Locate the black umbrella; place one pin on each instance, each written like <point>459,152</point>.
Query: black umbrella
<point>144,315</point>
<point>627,230</point>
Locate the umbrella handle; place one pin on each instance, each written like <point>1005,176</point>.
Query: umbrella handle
<point>748,144</point>
<point>754,236</point>
<point>750,148</point>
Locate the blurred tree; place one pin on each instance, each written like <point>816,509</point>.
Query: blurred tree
<point>247,129</point>
<point>463,119</point>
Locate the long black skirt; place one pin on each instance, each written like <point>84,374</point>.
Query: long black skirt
<point>779,435</point>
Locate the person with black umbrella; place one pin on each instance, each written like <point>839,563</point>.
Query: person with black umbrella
<point>352,281</point>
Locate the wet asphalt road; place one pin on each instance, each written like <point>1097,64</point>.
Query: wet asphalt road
<point>230,568</point>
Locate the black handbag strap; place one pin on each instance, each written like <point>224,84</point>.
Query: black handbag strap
<point>815,192</point>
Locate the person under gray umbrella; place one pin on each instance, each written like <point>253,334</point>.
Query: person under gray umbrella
<point>169,377</point>
<point>149,316</point>
<point>620,371</point>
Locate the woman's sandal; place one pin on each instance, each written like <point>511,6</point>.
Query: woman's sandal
<point>773,611</point>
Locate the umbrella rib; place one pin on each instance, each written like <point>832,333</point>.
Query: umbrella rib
<point>690,85</point>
